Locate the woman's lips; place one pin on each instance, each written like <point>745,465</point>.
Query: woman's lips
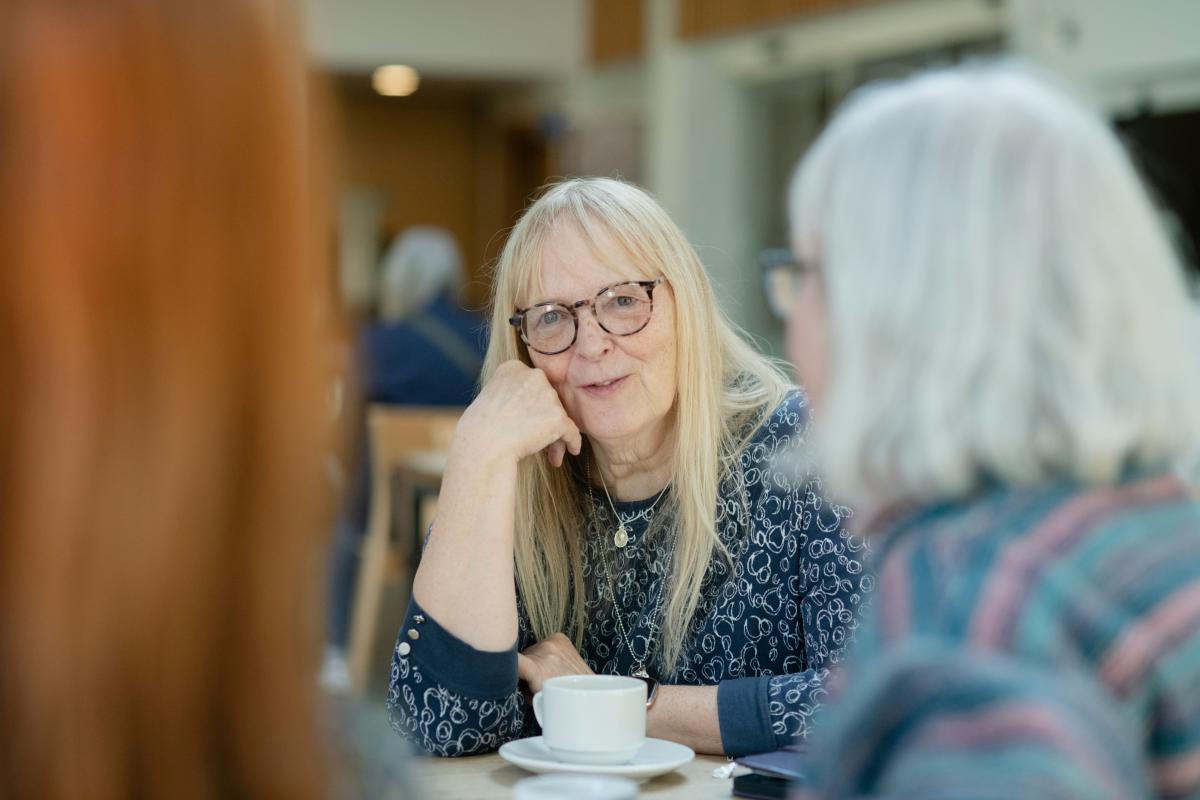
<point>605,388</point>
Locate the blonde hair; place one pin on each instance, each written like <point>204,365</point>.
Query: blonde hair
<point>723,388</point>
<point>1002,301</point>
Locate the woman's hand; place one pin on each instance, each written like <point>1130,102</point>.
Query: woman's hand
<point>549,658</point>
<point>518,414</point>
<point>465,578</point>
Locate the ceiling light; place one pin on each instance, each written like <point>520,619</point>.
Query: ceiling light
<point>395,80</point>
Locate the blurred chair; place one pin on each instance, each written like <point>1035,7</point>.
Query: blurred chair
<point>423,351</point>
<point>408,448</point>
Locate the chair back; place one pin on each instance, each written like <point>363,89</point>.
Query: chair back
<point>408,447</point>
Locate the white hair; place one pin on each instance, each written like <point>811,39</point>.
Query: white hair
<point>421,264</point>
<point>1002,301</point>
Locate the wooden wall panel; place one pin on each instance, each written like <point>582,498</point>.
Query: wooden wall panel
<point>699,18</point>
<point>617,29</point>
<point>440,157</point>
<point>419,153</point>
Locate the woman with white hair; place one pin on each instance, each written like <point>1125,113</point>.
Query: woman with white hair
<point>612,503</point>
<point>425,349</point>
<point>1002,360</point>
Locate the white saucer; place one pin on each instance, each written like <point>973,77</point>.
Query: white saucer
<point>656,757</point>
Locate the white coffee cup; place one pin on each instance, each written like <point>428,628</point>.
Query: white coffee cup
<point>592,719</point>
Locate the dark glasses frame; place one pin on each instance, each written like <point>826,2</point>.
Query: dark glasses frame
<point>517,320</point>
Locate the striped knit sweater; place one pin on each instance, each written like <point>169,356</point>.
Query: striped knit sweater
<point>1026,644</point>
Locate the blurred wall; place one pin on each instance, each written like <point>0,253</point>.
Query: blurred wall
<point>709,144</point>
<point>505,39</point>
<point>402,164</point>
<point>1129,54</point>
<point>698,116</point>
<point>447,156</point>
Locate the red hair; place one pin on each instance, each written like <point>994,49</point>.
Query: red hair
<point>161,422</point>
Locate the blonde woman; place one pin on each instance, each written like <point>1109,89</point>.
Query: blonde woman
<point>612,503</point>
<point>1002,359</point>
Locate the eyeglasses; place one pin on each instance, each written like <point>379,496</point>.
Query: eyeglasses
<point>783,275</point>
<point>622,309</point>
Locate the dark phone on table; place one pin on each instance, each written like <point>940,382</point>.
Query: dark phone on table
<point>760,787</point>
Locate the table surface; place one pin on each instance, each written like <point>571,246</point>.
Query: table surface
<point>489,776</point>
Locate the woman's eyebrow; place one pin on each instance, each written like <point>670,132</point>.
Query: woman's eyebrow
<point>549,302</point>
<point>560,301</point>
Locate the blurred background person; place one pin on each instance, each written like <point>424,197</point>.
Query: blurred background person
<point>422,349</point>
<point>1002,358</point>
<point>164,335</point>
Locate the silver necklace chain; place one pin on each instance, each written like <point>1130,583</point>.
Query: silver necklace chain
<point>621,534</point>
<point>639,664</point>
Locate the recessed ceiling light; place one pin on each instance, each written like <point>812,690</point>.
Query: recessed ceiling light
<point>395,80</point>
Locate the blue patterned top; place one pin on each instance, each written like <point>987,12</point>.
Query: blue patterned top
<point>766,630</point>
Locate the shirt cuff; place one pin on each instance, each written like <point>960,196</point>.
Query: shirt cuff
<point>742,713</point>
<point>451,662</point>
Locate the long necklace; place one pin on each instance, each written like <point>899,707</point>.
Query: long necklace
<point>639,663</point>
<point>621,534</point>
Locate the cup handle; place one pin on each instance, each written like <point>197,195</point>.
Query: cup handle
<point>537,708</point>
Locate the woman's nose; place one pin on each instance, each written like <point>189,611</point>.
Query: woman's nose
<point>593,341</point>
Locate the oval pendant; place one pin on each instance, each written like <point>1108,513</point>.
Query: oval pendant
<point>621,537</point>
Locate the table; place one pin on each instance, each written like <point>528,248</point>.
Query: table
<point>489,776</point>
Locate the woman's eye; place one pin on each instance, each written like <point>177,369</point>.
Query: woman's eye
<point>621,302</point>
<point>550,318</point>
